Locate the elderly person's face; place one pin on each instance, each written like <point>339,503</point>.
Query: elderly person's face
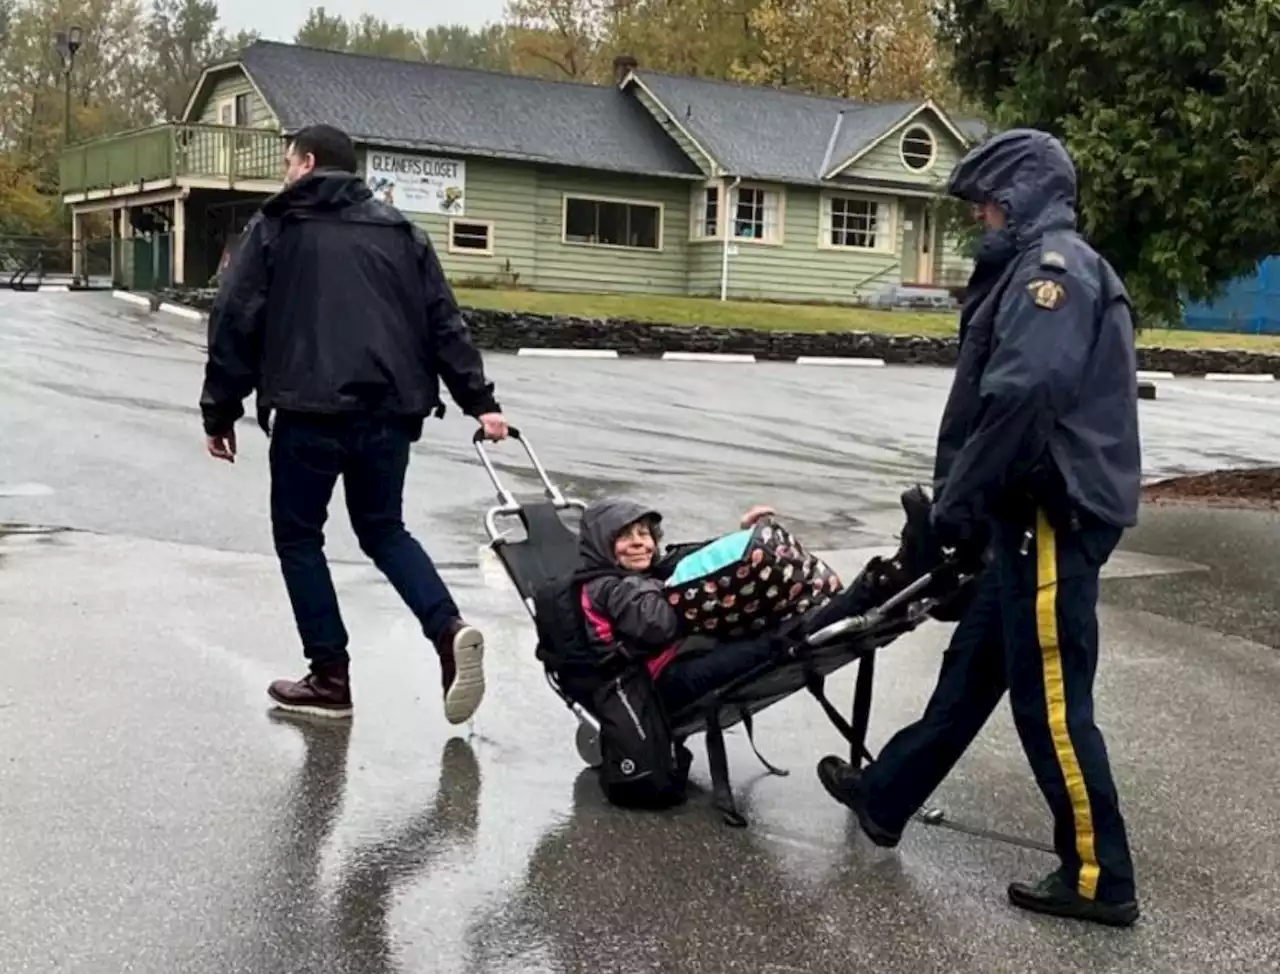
<point>635,547</point>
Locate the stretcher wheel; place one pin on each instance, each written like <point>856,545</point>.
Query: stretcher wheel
<point>587,740</point>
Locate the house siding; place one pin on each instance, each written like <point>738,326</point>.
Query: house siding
<point>951,267</point>
<point>685,143</point>
<point>706,260</point>
<point>524,207</point>
<point>799,270</point>
<point>568,267</point>
<point>885,160</point>
<point>234,82</point>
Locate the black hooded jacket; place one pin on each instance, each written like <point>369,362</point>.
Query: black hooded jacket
<point>621,606</point>
<point>1047,377</point>
<point>336,303</point>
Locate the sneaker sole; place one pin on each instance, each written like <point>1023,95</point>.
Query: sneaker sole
<point>310,710</point>
<point>463,698</point>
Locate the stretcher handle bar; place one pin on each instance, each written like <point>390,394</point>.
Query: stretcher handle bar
<point>860,623</point>
<point>491,516</point>
<point>508,501</point>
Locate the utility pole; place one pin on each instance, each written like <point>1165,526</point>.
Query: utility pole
<point>67,43</point>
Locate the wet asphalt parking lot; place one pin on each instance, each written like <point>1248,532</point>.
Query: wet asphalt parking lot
<point>155,818</point>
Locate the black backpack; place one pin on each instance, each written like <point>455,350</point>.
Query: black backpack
<point>641,765</point>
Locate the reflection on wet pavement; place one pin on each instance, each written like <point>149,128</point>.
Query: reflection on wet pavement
<point>154,818</point>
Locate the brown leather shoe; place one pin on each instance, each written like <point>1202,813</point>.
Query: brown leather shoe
<point>324,692</point>
<point>461,650</point>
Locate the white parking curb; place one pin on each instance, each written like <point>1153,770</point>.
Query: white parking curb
<point>54,289</point>
<point>1239,377</point>
<point>567,352</point>
<point>1142,374</point>
<point>835,360</point>
<point>176,309</point>
<point>132,298</point>
<point>707,357</point>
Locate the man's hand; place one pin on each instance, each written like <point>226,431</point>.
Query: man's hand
<point>222,447</point>
<point>753,516</point>
<point>494,425</point>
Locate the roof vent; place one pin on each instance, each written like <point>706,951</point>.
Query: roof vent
<point>623,65</point>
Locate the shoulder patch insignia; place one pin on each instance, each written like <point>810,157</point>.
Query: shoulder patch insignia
<point>1051,258</point>
<point>1047,294</point>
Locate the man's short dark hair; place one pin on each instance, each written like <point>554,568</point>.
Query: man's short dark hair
<point>331,147</point>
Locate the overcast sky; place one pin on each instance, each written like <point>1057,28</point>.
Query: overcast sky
<point>279,19</point>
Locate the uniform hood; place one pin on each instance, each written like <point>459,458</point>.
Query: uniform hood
<point>602,522</point>
<point>1026,171</point>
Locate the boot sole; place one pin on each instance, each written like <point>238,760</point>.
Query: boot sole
<point>310,710</point>
<point>1125,918</point>
<point>463,697</point>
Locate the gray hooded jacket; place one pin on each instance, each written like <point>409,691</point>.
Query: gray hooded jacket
<point>1048,369</point>
<point>624,607</point>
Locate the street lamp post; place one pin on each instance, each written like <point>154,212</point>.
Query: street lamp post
<point>68,42</point>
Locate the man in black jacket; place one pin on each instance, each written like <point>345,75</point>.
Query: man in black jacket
<point>336,311</point>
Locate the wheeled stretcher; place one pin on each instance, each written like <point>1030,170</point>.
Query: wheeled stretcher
<point>549,550</point>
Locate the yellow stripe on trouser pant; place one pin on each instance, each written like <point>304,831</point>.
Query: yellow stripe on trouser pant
<point>1056,703</point>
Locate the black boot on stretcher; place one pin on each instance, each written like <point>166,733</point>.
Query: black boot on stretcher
<point>883,578</point>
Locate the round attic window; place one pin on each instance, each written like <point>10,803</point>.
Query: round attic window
<point>917,148</point>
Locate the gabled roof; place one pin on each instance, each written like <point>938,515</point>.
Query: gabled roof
<point>772,133</point>
<point>445,109</point>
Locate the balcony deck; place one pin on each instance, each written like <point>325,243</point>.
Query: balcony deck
<point>209,156</point>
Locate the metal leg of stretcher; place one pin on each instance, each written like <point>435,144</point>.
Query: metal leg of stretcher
<point>860,719</point>
<point>721,791</point>
<point>816,686</point>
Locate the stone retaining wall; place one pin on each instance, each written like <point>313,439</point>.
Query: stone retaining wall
<point>508,331</point>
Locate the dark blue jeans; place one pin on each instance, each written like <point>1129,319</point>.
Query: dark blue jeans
<point>308,455</point>
<point>706,665</point>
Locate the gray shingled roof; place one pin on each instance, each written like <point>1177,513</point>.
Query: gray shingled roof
<point>769,132</point>
<point>429,106</point>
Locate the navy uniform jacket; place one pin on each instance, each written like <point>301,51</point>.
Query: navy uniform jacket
<point>1047,376</point>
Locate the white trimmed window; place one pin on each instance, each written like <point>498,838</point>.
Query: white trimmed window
<point>705,219</point>
<point>856,223</point>
<point>470,237</point>
<point>632,224</point>
<point>757,214</point>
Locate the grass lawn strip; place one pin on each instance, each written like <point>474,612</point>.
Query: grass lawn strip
<point>767,316</point>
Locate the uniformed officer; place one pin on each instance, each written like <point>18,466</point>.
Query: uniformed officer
<point>1038,469</point>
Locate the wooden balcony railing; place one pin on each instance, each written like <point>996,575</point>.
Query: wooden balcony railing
<point>172,151</point>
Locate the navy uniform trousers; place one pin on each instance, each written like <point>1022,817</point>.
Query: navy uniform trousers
<point>1031,629</point>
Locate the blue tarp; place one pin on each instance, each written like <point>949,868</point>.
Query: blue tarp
<point>1249,305</point>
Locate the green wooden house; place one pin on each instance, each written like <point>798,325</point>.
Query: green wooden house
<point>655,184</point>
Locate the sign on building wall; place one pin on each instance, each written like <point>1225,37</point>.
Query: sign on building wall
<point>417,184</point>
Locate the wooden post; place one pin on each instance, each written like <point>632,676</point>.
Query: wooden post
<point>77,248</point>
<point>179,241</point>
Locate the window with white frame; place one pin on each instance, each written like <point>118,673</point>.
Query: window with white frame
<point>857,223</point>
<point>757,214</point>
<point>612,223</point>
<point>470,237</point>
<point>706,212</point>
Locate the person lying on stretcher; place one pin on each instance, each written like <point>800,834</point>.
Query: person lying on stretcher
<point>626,600</point>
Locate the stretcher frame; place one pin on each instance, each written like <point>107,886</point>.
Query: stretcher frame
<point>549,549</point>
